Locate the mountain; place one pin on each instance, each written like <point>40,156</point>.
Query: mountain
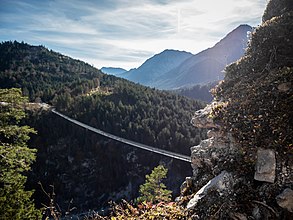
<point>156,66</point>
<point>116,71</point>
<point>207,66</point>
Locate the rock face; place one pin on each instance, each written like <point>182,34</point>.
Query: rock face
<point>223,175</point>
<point>217,148</point>
<point>265,166</point>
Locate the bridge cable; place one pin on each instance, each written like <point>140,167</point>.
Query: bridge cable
<point>126,141</point>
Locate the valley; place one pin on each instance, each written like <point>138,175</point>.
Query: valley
<point>132,111</point>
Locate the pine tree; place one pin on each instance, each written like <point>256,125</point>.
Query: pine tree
<point>15,158</point>
<point>153,190</point>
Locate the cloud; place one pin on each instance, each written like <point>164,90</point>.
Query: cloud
<point>124,32</point>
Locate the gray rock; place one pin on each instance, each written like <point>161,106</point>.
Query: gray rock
<point>265,165</point>
<point>200,156</point>
<point>223,182</point>
<point>285,199</point>
<point>202,119</point>
<point>209,152</point>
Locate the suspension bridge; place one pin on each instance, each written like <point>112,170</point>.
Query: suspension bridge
<point>126,141</point>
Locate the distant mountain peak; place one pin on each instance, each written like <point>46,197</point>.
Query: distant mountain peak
<point>173,50</point>
<point>156,65</point>
<point>239,33</point>
<point>243,28</point>
<point>172,69</point>
<point>208,65</point>
<point>116,71</point>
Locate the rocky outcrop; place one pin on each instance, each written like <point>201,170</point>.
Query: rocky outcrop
<point>229,177</point>
<point>219,147</point>
<point>202,118</point>
<point>250,123</point>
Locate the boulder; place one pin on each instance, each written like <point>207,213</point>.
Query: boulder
<point>265,165</point>
<point>285,199</point>
<point>221,183</point>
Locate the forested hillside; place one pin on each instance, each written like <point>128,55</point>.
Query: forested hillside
<point>110,103</point>
<point>198,92</point>
<point>238,147</point>
<point>142,114</point>
<point>82,165</point>
<point>42,73</point>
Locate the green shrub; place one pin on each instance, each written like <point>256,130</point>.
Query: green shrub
<point>153,190</point>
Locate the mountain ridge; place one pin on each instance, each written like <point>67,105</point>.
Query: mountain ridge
<point>207,65</point>
<point>155,66</point>
<point>173,69</point>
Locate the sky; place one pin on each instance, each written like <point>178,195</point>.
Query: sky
<point>124,33</point>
